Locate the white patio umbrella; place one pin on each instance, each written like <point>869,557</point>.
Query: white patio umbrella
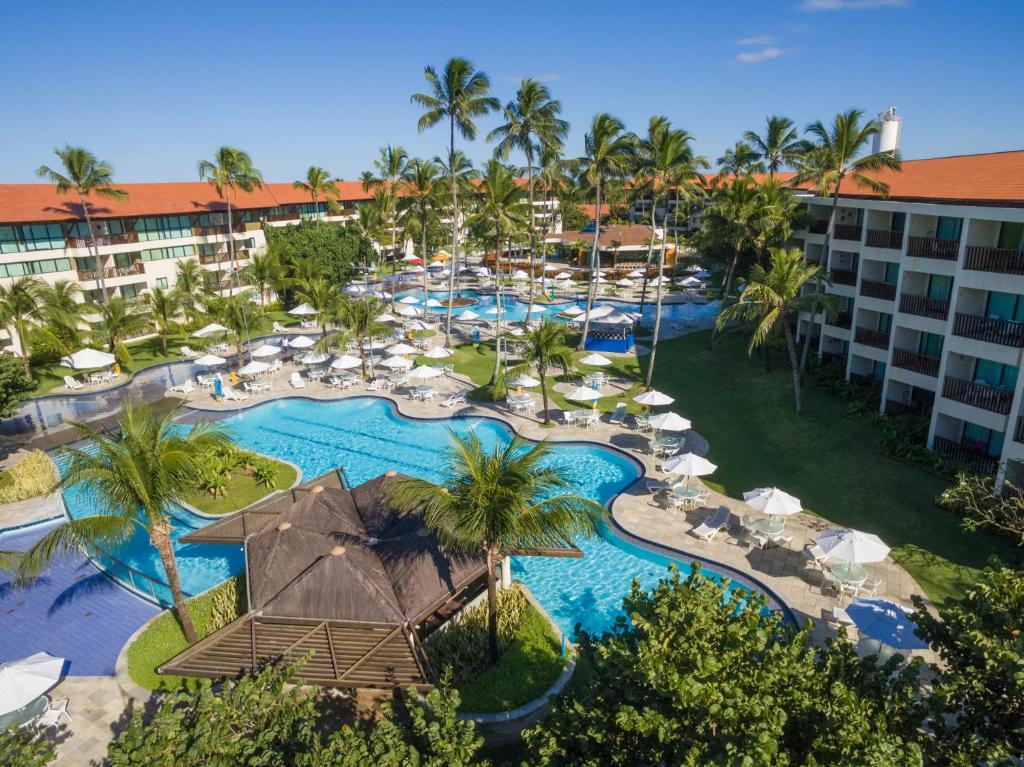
<point>550,268</point>
<point>670,422</point>
<point>88,359</point>
<point>254,368</point>
<point>423,372</point>
<point>355,290</point>
<point>625,282</point>
<point>519,274</point>
<point>301,342</point>
<point>417,325</point>
<point>266,350</point>
<point>688,465</point>
<point>438,353</point>
<point>346,362</point>
<point>385,317</point>
<point>209,361</point>
<point>22,681</point>
<point>636,273</point>
<point>396,363</point>
<point>469,314</point>
<point>771,500</point>
<point>414,270</point>
<point>313,358</point>
<point>409,311</point>
<point>410,257</point>
<point>302,310</point>
<point>657,281</point>
<point>653,398</point>
<point>213,329</point>
<point>433,303</point>
<point>409,300</point>
<point>584,394</point>
<point>517,332</point>
<point>382,294</point>
<point>492,310</point>
<point>572,311</point>
<point>595,360</point>
<point>402,349</point>
<point>598,312</point>
<point>524,380</point>
<point>373,344</point>
<point>563,276</point>
<point>852,546</point>
<point>483,271</point>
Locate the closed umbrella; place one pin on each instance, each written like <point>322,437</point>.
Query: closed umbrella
<point>852,546</point>
<point>209,361</point>
<point>670,422</point>
<point>301,342</point>
<point>653,398</point>
<point>302,310</point>
<point>254,368</point>
<point>266,350</point>
<point>689,465</point>
<point>771,500</point>
<point>88,359</point>
<point>22,681</point>
<point>438,353</point>
<point>396,363</point>
<point>423,372</point>
<point>213,329</point>
<point>885,621</point>
<point>595,360</point>
<point>346,362</point>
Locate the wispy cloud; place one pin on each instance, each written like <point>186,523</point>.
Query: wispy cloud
<point>756,40</point>
<point>548,77</point>
<point>765,54</point>
<point>813,6</point>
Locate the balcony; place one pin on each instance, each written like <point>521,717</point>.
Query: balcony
<point>978,395</point>
<point>965,456</point>
<point>897,409</point>
<point>124,238</point>
<point>930,247</point>
<point>842,320</point>
<point>881,238</point>
<point>997,260</point>
<point>817,226</point>
<point>844,276</point>
<point>111,272</point>
<point>846,232</point>
<point>923,306</point>
<point>283,217</point>
<point>994,331</point>
<point>875,289</point>
<point>918,363</point>
<point>875,338</point>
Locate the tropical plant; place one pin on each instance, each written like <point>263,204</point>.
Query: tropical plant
<point>774,299</point>
<point>554,183</point>
<point>15,384</point>
<point>331,251</point>
<point>190,286</point>
<point>974,498</point>
<point>164,308</point>
<point>82,174</point>
<point>779,213</point>
<point>358,320</point>
<point>459,94</point>
<point>121,319</point>
<point>319,185</point>
<point>264,471</point>
<point>61,313</point>
<point>730,218</point>
<point>19,307</point>
<point>32,476</point>
<point>778,146</point>
<point>496,503</point>
<point>138,472</point>
<point>421,204</point>
<point>26,747</point>
<point>235,312</point>
<point>263,272</point>
<point>545,349</point>
<point>740,160</point>
<point>324,297</point>
<point>390,166</point>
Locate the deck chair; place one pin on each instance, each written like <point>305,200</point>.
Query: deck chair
<point>187,353</point>
<point>619,416</point>
<point>52,716</point>
<point>279,328</point>
<point>71,383</point>
<point>183,388</point>
<point>459,398</point>
<point>234,396</point>
<point>297,382</point>
<point>711,526</point>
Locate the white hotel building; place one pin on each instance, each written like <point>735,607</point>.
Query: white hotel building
<point>930,283</point>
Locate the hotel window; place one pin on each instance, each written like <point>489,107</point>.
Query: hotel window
<point>79,230</point>
<point>44,266</point>
<point>884,322</point>
<point>1011,236</point>
<point>983,440</point>
<point>161,282</point>
<point>159,254</point>
<point>24,237</point>
<point>948,228</point>
<point>940,286</point>
<point>163,227</point>
<point>892,273</point>
<point>930,345</point>
<point>996,374</point>
<point>129,291</point>
<point>878,371</point>
<point>1004,306</point>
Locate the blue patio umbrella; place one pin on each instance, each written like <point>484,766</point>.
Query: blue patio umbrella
<point>886,622</point>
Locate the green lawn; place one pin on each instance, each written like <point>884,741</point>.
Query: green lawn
<point>524,672</point>
<point>831,462</point>
<point>241,491</point>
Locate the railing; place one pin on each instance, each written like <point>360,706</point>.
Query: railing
<point>918,363</point>
<point>875,338</point>
<point>846,232</point>
<point>896,409</point>
<point>1018,433</point>
<point>923,306</point>
<point>882,238</point>
<point>146,586</point>
<point>876,289</point>
<point>965,456</point>
<point>111,272</point>
<point>1001,260</point>
<point>818,226</point>
<point>123,238</point>
<point>842,320</point>
<point>844,276</point>
<point>979,395</point>
<point>930,247</point>
<point>283,217</point>
<point>995,331</point>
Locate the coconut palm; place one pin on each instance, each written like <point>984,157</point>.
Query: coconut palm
<point>359,320</point>
<point>545,350</point>
<point>189,285</point>
<point>421,204</point>
<point>774,299</point>
<point>19,307</point>
<point>263,272</point>
<point>732,212</point>
<point>779,213</point>
<point>82,174</point>
<point>319,185</point>
<point>62,314</point>
<point>554,182</point>
<point>371,222</point>
<point>235,312</point>
<point>139,472</point>
<point>324,297</point>
<point>835,153</point>
<point>497,503</point>
<point>459,94</point>
<point>778,146</point>
<point>390,166</point>
<point>609,154</point>
<point>531,122</point>
<point>164,308</point>
<point>121,319</point>
<point>740,160</point>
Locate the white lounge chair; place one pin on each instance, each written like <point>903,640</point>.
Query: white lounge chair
<point>234,396</point>
<point>183,388</point>
<point>459,398</point>
<point>187,353</point>
<point>297,382</point>
<point>711,526</point>
<point>52,716</point>
<point>279,328</point>
<point>72,383</point>
<point>619,416</point>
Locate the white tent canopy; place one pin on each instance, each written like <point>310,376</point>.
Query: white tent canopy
<point>302,310</point>
<point>438,353</point>
<point>670,422</point>
<point>423,372</point>
<point>300,342</point>
<point>583,394</point>
<point>852,546</point>
<point>595,360</point>
<point>266,350</point>
<point>22,681</point>
<point>771,500</point>
<point>88,359</point>
<point>346,362</point>
<point>213,329</point>
<point>254,368</point>
<point>689,465</point>
<point>653,398</point>
<point>209,361</point>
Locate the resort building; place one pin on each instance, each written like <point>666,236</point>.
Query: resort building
<point>930,285</point>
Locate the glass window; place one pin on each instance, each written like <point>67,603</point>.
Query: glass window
<point>948,228</point>
<point>940,286</point>
<point>892,273</point>
<point>161,282</point>
<point>163,227</point>
<point>1011,235</point>
<point>884,322</point>
<point>878,371</point>
<point>930,345</point>
<point>996,374</point>
<point>1003,306</point>
<point>129,291</point>
<point>899,222</point>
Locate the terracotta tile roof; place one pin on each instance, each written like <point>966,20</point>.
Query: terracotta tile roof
<point>634,235</point>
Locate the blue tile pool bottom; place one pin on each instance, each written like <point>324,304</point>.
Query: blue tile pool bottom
<point>73,611</point>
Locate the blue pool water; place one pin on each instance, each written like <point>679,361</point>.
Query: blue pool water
<point>366,437</point>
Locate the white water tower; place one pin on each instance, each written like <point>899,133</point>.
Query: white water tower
<point>888,138</point>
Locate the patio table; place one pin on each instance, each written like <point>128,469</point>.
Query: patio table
<point>767,526</point>
<point>316,374</point>
<point>849,572</point>
<point>686,491</point>
<point>25,714</point>
<point>421,391</point>
<point>667,441</point>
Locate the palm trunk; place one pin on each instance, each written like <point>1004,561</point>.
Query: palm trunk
<point>593,260</point>
<point>23,343</point>
<point>362,358</point>
<point>234,267</point>
<point>794,365</point>
<point>544,396</point>
<point>160,537</point>
<point>533,233</point>
<point>492,610</point>
<point>455,233</point>
<point>647,266</point>
<point>100,278</point>
<point>423,255</point>
<point>497,316</point>
<point>819,283</point>
<point>657,317</point>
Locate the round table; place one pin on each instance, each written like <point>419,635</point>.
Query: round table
<point>849,572</point>
<point>25,714</point>
<point>520,399</point>
<point>686,491</point>
<point>764,525</point>
<point>421,390</point>
<point>668,441</point>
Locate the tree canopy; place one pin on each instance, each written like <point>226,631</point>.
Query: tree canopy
<point>14,385</point>
<point>336,250</point>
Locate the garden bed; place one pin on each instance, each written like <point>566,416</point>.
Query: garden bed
<point>239,481</point>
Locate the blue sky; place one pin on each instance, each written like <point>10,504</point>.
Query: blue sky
<point>153,87</point>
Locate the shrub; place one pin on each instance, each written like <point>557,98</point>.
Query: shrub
<point>25,748</point>
<point>213,478</point>
<point>227,602</point>
<point>33,476</point>
<point>264,471</point>
<point>973,498</point>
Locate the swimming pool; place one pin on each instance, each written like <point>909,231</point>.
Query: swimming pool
<point>367,437</point>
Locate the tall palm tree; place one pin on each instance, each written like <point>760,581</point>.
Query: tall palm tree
<point>359,321</point>
<point>774,299</point>
<point>779,213</point>
<point>545,350</point>
<point>834,154</point>
<point>609,154</point>
<point>263,272</point>
<point>231,170</point>
<point>740,160</point>
<point>421,204</point>
<point>140,471</point>
<point>84,175</point>
<point>390,166</point>
<point>120,319</point>
<point>531,122</point>
<point>324,297</point>
<point>164,308</point>
<point>236,313</point>
<point>778,146</point>
<point>371,222</point>
<point>553,179</point>
<point>189,285</point>
<point>19,307</point>
<point>497,503</point>
<point>61,312</point>
<point>459,94</point>
<point>734,205</point>
<point>319,185</point>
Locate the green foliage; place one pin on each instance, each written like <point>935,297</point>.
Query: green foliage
<point>227,602</point>
<point>973,498</point>
<point>264,471</point>
<point>15,385</point>
<point>214,476</point>
<point>977,703</point>
<point>335,250</point>
<point>33,476</point>
<point>695,676</point>
<point>573,217</point>
<point>23,747</point>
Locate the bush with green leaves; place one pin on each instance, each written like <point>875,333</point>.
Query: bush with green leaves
<point>32,476</point>
<point>14,384</point>
<point>24,747</point>
<point>227,602</point>
<point>264,471</point>
<point>214,477</point>
<point>973,497</point>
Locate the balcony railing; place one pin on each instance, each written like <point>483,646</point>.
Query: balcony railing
<point>998,260</point>
<point>977,394</point>
<point>842,320</point>
<point>283,217</point>
<point>882,238</point>
<point>123,238</point>
<point>846,232</point>
<point>995,331</point>
<point>111,272</point>
<point>875,338</point>
<point>817,226</point>
<point>895,408</point>
<point>875,289</point>
<point>844,276</point>
<point>923,306</point>
<point>965,456</point>
<point>930,247</point>
<point>918,363</point>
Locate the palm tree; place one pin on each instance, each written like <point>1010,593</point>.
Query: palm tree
<point>421,203</point>
<point>19,306</point>
<point>189,285</point>
<point>230,170</point>
<point>734,206</point>
<point>233,312</point>
<point>84,175</point>
<point>323,296</point>
<point>164,306</point>
<point>741,160</point>
<point>834,154</point>
<point>61,313</point>
<point>774,299</point>
<point>121,319</point>
<point>359,320</point>
<point>609,153</point>
<point>779,212</point>
<point>318,184</point>
<point>263,272</point>
<point>391,166</point>
<point>531,122</point>
<point>778,146</point>
<point>497,504</point>
<point>554,181</point>
<point>459,94</point>
<point>140,471</point>
<point>371,222</point>
<point>546,350</point>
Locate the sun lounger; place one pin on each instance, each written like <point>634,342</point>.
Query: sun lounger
<point>71,383</point>
<point>187,353</point>
<point>279,328</point>
<point>234,396</point>
<point>459,398</point>
<point>182,388</point>
<point>297,382</point>
<point>619,416</point>
<point>711,526</point>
